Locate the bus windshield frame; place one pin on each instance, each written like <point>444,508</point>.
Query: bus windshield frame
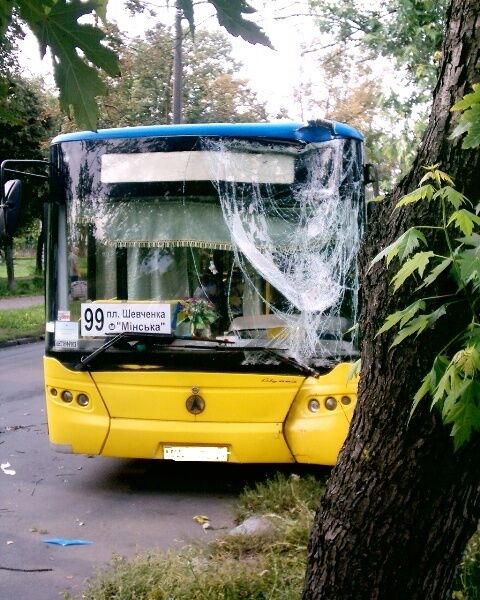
<point>138,234</point>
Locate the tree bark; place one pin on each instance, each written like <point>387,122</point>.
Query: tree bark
<point>8,251</point>
<point>40,248</point>
<point>400,504</point>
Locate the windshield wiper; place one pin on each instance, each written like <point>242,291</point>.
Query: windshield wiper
<point>86,360</point>
<point>164,339</point>
<point>277,353</point>
<point>290,360</point>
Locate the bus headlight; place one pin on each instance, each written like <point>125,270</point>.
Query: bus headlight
<point>346,400</point>
<point>82,400</point>
<point>67,396</point>
<point>330,403</point>
<point>313,405</point>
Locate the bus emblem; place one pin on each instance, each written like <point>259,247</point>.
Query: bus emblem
<point>195,404</point>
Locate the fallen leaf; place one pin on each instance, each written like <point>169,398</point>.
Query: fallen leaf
<point>200,519</point>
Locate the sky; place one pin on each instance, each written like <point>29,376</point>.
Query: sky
<point>273,74</point>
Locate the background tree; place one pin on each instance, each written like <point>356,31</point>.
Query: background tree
<point>79,50</point>
<point>352,93</point>
<point>407,31</point>
<point>211,92</point>
<point>401,504</point>
<point>366,38</point>
<point>25,124</point>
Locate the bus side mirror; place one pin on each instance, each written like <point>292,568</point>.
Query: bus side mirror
<point>370,175</point>
<point>10,208</point>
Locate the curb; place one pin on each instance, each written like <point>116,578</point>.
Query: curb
<point>21,341</point>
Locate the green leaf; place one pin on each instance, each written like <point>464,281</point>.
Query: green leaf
<point>455,394</point>
<point>408,242</point>
<point>470,119</point>
<point>471,240</point>
<point>436,272</point>
<point>389,252</point>
<point>464,220</point>
<point>467,360</point>
<point>401,247</point>
<point>450,195</point>
<point>355,369</point>
<point>449,380</point>
<point>465,415</point>
<point>416,326</point>
<point>430,381</point>
<point>425,192</point>
<point>402,316</point>
<point>5,15</point>
<point>472,336</point>
<point>101,9</point>
<point>469,265</point>
<point>472,139</point>
<point>436,175</point>
<point>83,103</point>
<point>418,263</point>
<point>468,100</point>
<point>55,24</point>
<point>230,15</point>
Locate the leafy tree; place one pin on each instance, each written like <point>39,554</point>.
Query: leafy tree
<point>354,96</point>
<point>402,502</point>
<point>79,50</point>
<point>408,33</point>
<point>55,24</point>
<point>211,92</point>
<point>25,135</point>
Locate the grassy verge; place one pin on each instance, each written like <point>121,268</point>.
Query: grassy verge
<point>22,322</point>
<point>230,567</point>
<point>24,267</point>
<point>24,286</point>
<point>244,567</point>
<point>27,282</point>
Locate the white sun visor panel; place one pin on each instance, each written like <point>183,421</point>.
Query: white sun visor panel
<point>243,167</point>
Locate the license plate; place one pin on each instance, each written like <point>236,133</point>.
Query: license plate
<point>196,453</point>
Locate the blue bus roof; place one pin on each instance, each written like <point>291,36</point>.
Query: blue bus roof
<point>313,131</point>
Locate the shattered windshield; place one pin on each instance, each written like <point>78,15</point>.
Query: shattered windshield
<point>209,241</point>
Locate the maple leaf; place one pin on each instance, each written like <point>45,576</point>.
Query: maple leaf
<point>77,52</point>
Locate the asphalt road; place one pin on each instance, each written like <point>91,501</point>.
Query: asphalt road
<point>122,507</point>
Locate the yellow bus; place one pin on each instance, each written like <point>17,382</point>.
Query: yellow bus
<point>201,287</point>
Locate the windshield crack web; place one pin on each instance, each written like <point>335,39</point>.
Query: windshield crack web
<point>304,241</point>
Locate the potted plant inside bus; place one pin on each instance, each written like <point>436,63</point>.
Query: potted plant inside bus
<point>199,313</point>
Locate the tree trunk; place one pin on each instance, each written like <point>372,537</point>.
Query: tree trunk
<point>40,247</point>
<point>401,505</point>
<point>8,250</point>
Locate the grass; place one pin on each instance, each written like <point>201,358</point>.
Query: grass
<point>244,567</point>
<point>27,282</point>
<point>22,322</point>
<point>230,567</point>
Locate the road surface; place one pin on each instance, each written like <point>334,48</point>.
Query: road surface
<point>120,506</point>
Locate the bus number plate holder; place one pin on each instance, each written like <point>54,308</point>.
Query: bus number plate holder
<point>196,453</point>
